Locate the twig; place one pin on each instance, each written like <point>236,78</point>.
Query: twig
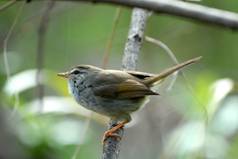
<point>84,133</point>
<point>181,9</point>
<point>169,52</point>
<point>5,58</point>
<point>163,46</point>
<point>110,39</point>
<point>7,4</point>
<point>188,84</point>
<point>40,51</point>
<point>111,147</point>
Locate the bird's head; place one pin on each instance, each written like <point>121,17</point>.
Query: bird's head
<point>79,72</point>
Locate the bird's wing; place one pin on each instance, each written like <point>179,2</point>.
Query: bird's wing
<point>123,90</point>
<point>140,75</point>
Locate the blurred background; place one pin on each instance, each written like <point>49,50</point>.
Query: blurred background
<point>195,119</point>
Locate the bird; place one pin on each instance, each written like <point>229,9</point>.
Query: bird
<point>114,93</point>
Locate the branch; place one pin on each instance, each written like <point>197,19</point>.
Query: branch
<point>134,40</point>
<point>111,37</point>
<point>181,9</point>
<point>169,52</point>
<point>111,147</point>
<point>5,52</point>
<point>40,51</point>
<point>7,4</point>
<point>188,84</point>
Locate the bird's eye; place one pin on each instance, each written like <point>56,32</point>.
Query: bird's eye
<point>76,72</point>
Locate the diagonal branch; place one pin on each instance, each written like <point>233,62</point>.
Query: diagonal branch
<point>7,4</point>
<point>40,51</point>
<point>180,9</point>
<point>188,84</point>
<point>169,52</point>
<point>111,37</point>
<point>111,147</point>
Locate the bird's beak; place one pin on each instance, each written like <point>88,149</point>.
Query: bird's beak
<point>63,74</point>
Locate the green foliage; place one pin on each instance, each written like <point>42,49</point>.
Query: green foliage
<point>175,127</point>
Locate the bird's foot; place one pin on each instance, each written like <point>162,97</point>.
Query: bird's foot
<point>108,134</point>
<point>111,132</point>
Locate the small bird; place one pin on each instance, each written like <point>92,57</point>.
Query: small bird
<point>114,93</point>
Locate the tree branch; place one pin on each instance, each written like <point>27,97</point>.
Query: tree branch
<point>7,4</point>
<point>40,51</point>
<point>134,39</point>
<point>111,37</point>
<point>111,147</point>
<point>171,55</point>
<point>5,52</point>
<point>181,9</point>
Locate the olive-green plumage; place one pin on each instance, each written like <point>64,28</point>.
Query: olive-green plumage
<point>114,93</point>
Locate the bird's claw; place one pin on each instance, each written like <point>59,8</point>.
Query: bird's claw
<point>108,134</point>
<point>111,132</point>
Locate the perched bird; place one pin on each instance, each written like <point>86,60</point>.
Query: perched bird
<point>114,93</point>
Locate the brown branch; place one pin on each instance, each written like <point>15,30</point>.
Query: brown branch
<point>181,9</point>
<point>40,51</point>
<point>111,147</point>
<point>110,39</point>
<point>7,4</point>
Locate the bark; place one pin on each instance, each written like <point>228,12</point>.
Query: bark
<point>111,147</point>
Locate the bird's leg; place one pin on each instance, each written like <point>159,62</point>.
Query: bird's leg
<point>111,132</point>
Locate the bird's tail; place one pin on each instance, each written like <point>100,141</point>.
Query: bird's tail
<point>152,80</point>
